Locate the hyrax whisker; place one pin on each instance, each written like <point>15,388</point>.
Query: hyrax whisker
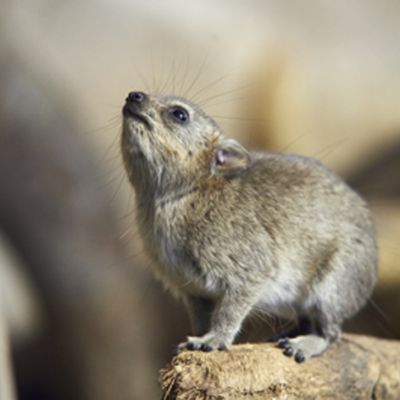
<point>142,77</point>
<point>185,72</point>
<point>239,119</point>
<point>325,151</point>
<point>204,102</point>
<point>209,85</point>
<point>118,188</point>
<point>154,81</point>
<point>103,128</point>
<point>197,76</point>
<point>170,76</point>
<point>226,101</point>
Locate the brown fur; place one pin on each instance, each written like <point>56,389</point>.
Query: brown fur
<point>233,231</point>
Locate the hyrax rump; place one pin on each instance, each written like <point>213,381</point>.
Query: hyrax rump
<point>232,232</point>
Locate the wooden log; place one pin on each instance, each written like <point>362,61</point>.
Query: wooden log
<point>356,367</point>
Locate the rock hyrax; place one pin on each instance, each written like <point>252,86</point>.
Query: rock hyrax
<point>232,232</point>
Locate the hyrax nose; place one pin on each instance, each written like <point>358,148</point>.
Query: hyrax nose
<point>136,97</point>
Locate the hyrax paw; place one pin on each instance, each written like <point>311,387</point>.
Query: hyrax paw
<point>290,349</point>
<point>201,344</point>
<point>303,347</point>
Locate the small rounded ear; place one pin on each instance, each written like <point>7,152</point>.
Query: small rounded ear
<point>230,158</point>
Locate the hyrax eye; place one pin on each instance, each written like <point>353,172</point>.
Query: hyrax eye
<point>179,114</point>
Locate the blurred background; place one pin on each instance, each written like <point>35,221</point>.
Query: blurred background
<point>81,316</point>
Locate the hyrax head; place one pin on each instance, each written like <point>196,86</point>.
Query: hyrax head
<point>169,134</point>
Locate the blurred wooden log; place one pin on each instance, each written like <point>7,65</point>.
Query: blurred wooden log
<point>357,367</point>
<point>6,380</point>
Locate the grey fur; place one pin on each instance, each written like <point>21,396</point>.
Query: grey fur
<point>232,232</point>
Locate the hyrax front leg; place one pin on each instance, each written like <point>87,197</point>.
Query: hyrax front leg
<point>227,317</point>
<point>200,312</point>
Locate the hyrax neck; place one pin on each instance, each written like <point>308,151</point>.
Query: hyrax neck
<point>162,186</point>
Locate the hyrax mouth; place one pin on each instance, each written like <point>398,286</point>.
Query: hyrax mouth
<point>135,105</point>
<point>128,112</point>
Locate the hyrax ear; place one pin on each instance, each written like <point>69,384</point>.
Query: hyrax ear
<point>230,158</point>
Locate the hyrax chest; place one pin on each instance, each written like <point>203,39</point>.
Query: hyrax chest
<point>206,246</point>
<point>171,244</point>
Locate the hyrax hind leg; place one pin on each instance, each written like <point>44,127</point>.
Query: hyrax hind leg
<point>302,327</point>
<point>303,347</point>
<point>326,317</point>
<point>341,292</point>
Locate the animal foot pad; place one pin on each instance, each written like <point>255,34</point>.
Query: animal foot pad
<point>289,350</point>
<point>302,347</point>
<point>198,346</point>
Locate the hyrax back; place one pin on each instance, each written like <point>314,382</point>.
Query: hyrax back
<point>233,231</point>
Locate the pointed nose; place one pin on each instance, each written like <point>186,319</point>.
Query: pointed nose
<point>136,97</point>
